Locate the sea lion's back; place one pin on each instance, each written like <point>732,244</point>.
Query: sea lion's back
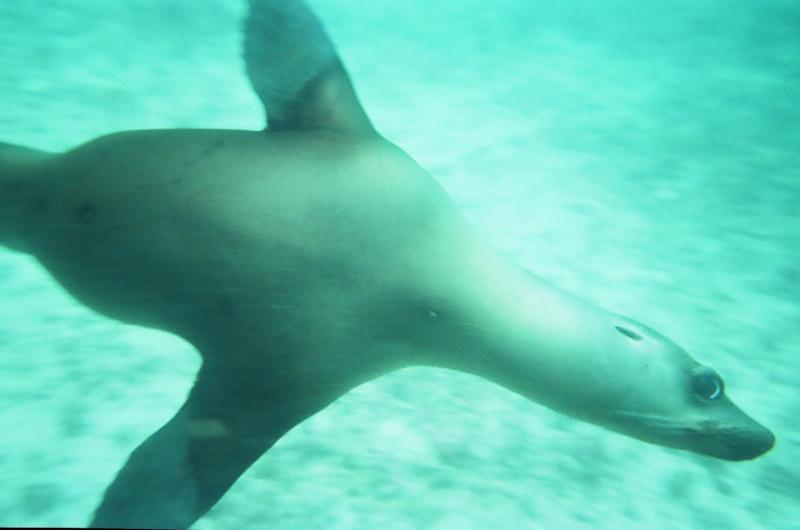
<point>144,222</point>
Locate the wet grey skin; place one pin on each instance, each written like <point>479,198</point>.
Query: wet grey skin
<point>311,257</point>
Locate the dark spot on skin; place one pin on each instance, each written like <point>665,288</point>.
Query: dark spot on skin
<point>224,305</point>
<point>86,213</point>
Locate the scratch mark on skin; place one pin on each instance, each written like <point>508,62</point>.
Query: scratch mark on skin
<point>207,152</point>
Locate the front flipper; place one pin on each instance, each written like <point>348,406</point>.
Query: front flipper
<point>296,72</point>
<point>182,470</point>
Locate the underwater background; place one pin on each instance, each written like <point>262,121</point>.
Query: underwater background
<point>643,155</point>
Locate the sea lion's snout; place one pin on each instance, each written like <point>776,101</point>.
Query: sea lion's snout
<point>745,440</point>
<point>754,443</point>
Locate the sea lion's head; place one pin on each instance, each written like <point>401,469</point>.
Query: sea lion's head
<point>670,399</point>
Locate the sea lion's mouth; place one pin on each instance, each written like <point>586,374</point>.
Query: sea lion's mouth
<point>744,439</point>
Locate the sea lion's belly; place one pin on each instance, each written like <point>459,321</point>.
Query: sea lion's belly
<point>225,236</point>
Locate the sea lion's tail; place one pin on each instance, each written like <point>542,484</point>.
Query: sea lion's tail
<point>16,165</point>
<point>295,71</point>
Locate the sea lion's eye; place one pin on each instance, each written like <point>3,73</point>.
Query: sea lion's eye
<point>708,386</point>
<point>628,333</point>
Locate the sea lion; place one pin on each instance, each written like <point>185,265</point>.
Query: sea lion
<point>308,258</point>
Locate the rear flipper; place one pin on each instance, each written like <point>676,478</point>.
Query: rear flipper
<point>296,72</point>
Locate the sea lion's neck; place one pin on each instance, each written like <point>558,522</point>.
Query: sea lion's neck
<point>529,336</point>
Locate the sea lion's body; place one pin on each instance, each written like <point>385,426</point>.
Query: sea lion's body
<point>323,258</point>
<point>313,256</point>
<point>279,249</point>
<point>154,214</point>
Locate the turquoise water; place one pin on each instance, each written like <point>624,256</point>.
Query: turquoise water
<point>644,156</point>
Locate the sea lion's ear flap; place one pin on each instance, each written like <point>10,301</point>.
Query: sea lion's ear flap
<point>294,69</point>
